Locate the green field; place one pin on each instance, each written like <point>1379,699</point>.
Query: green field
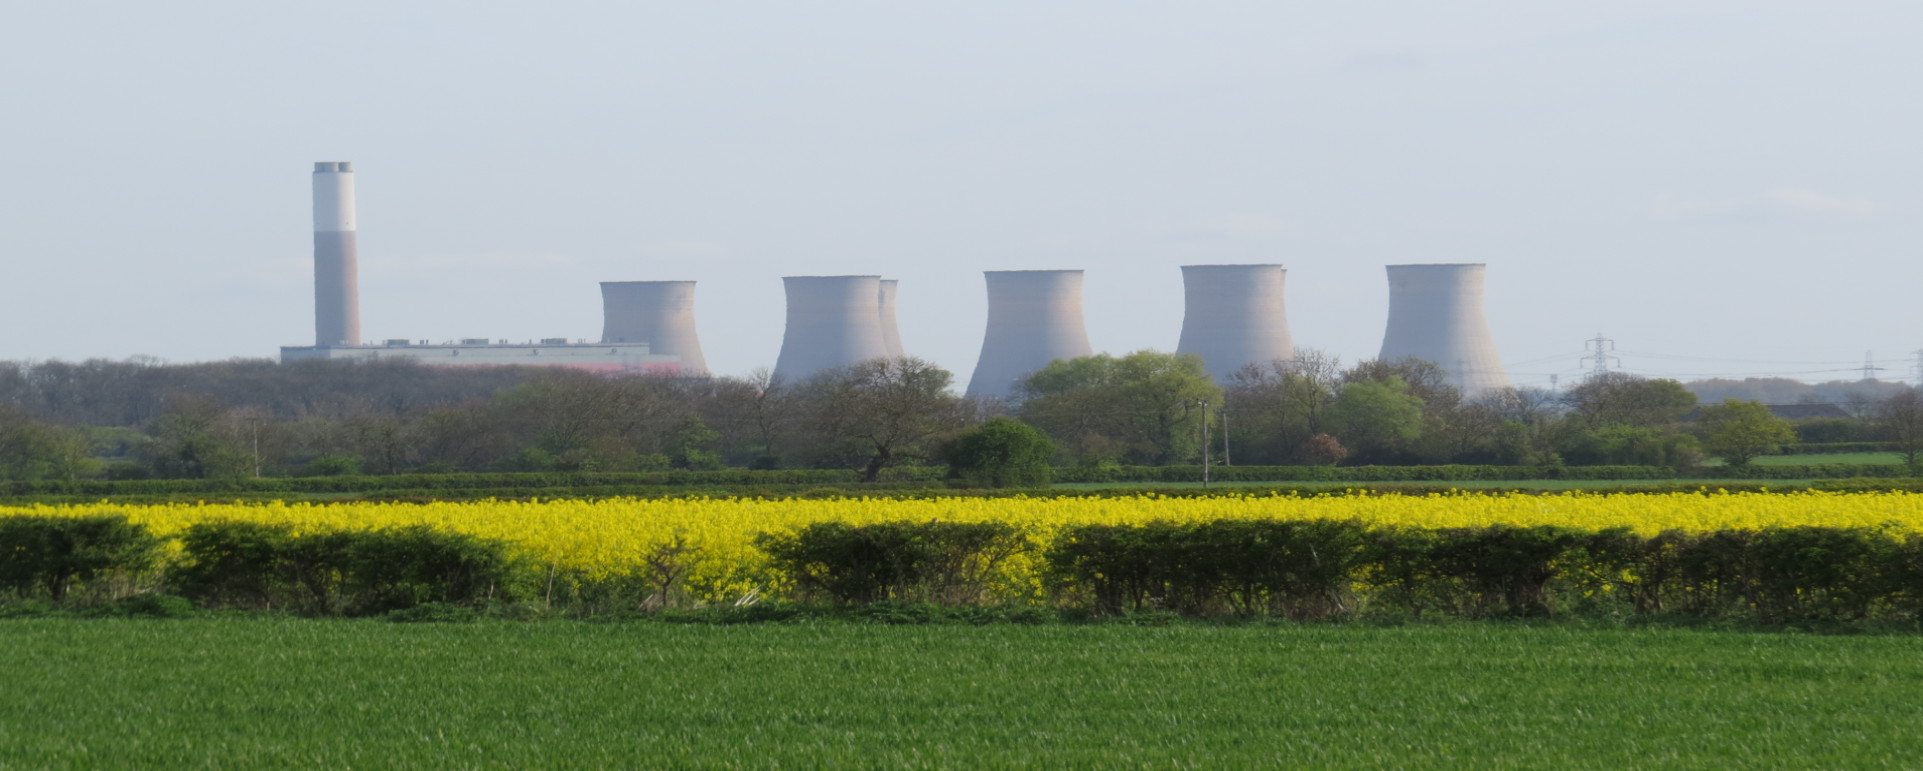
<point>273,692</point>
<point>1865,458</point>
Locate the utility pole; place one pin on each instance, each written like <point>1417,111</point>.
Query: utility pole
<point>1205,442</point>
<point>1869,366</point>
<point>1599,363</point>
<point>1916,370</point>
<point>1224,412</point>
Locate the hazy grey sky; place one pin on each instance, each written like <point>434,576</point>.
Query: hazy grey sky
<point>1733,181</point>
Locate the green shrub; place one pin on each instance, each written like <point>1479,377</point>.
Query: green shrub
<point>944,563</point>
<point>54,554</point>
<point>1000,453</point>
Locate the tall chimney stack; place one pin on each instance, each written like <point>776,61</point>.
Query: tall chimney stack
<point>337,301</point>
<point>1233,316</point>
<point>659,313</point>
<point>832,321</point>
<point>1034,317</point>
<point>1435,314</point>
<point>890,332</point>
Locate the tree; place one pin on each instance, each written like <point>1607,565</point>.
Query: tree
<point>1630,400</point>
<point>1143,408</point>
<point>1377,417</point>
<point>1900,420</point>
<point>1322,450</point>
<point>1002,452</point>
<point>1740,431</point>
<point>1277,407</point>
<point>32,449</point>
<point>873,414</point>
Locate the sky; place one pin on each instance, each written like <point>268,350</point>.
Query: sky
<point>1718,187</point>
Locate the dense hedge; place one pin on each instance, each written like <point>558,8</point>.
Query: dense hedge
<point>1325,569</point>
<point>645,483</point>
<point>518,481</point>
<point>352,572</point>
<point>1312,569</point>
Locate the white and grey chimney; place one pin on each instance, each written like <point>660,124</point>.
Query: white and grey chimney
<point>337,302</point>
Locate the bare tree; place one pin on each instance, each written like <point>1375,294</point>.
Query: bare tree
<point>872,414</point>
<point>1900,420</point>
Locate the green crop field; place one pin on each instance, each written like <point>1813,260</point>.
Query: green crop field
<point>1865,458</point>
<point>240,692</point>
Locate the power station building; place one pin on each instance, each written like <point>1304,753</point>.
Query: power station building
<point>1034,317</point>
<point>337,324</point>
<point>1435,314</point>
<point>1233,316</point>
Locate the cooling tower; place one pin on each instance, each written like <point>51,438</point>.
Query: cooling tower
<point>337,301</point>
<point>1234,316</point>
<point>659,313</point>
<point>832,321</point>
<point>890,334</point>
<point>1435,314</point>
<point>1034,317</point>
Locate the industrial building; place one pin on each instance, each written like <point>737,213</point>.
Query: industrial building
<point>1435,314</point>
<point>1233,316</point>
<point>1034,317</point>
<point>833,321</point>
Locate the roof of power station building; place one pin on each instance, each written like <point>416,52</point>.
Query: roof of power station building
<point>472,352</point>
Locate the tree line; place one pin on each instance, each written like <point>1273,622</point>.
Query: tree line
<point>143,419</point>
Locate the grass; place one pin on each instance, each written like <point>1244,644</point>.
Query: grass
<point>240,692</point>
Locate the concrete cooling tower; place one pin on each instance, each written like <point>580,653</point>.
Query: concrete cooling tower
<point>1034,317</point>
<point>337,300</point>
<point>659,313</point>
<point>1234,316</point>
<point>890,333</point>
<point>832,321</point>
<point>1435,314</point>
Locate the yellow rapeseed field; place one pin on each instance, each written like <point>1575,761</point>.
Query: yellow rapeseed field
<point>598,539</point>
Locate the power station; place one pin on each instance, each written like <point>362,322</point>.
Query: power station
<point>337,312</point>
<point>1435,314</point>
<point>833,321</point>
<point>1034,317</point>
<point>1233,316</point>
